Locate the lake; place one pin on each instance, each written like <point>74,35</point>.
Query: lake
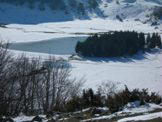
<point>60,46</point>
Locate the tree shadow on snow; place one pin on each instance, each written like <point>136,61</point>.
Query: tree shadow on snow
<point>126,59</point>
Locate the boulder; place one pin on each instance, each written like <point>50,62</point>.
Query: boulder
<point>95,111</point>
<point>155,23</point>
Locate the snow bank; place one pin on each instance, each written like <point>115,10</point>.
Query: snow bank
<point>142,117</point>
<point>135,108</point>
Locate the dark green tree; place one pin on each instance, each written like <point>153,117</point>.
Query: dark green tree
<point>142,41</point>
<point>158,41</point>
<point>148,40</point>
<point>153,41</point>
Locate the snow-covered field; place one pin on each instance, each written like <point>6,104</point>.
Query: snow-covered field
<point>140,71</point>
<point>45,31</point>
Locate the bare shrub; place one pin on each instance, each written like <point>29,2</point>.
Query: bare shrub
<point>34,86</point>
<point>108,88</point>
<point>117,101</point>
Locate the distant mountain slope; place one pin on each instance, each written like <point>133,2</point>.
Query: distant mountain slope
<point>40,11</point>
<point>132,9</point>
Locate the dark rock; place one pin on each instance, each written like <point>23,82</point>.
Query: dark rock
<point>96,111</point>
<point>79,117</point>
<point>37,119</point>
<point>156,27</point>
<point>2,25</point>
<point>137,20</point>
<point>49,116</point>
<point>154,23</point>
<point>119,18</point>
<point>58,113</point>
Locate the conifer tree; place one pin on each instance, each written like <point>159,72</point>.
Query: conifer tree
<point>148,40</point>
<point>117,44</point>
<point>159,45</point>
<point>153,41</point>
<point>142,41</point>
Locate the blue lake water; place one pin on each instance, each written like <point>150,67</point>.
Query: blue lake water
<point>59,46</point>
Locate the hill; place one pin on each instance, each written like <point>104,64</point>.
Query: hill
<point>40,11</point>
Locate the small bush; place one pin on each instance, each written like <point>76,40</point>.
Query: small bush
<point>86,100</point>
<point>119,100</point>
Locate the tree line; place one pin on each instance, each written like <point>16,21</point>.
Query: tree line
<point>118,44</point>
<point>108,96</point>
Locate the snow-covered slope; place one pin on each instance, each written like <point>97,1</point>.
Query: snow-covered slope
<point>140,71</point>
<point>45,31</point>
<point>125,9</point>
<point>131,9</point>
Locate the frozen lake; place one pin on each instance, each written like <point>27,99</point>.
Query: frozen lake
<point>61,46</point>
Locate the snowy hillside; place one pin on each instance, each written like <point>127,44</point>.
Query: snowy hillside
<point>113,9</point>
<point>131,9</point>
